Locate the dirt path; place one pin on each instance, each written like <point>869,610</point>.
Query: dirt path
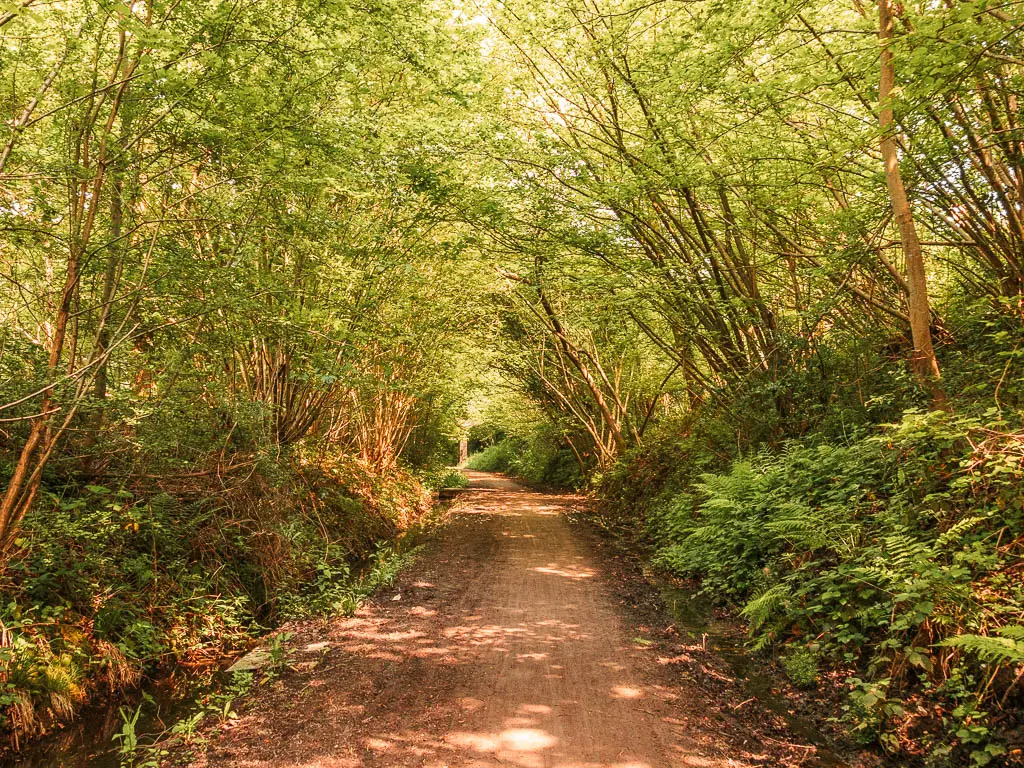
<point>502,646</point>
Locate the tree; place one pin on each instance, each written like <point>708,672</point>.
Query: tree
<point>923,360</point>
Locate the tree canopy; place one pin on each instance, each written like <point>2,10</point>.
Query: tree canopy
<point>632,241</point>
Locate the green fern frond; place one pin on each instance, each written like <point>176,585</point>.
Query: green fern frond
<point>956,532</point>
<point>996,650</point>
<point>1014,631</point>
<point>761,608</point>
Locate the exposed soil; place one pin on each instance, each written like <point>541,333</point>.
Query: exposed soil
<point>508,643</point>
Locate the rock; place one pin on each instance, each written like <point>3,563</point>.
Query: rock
<point>257,658</point>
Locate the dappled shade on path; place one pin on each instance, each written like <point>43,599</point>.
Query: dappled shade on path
<point>502,647</point>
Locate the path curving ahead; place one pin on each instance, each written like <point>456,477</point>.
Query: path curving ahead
<point>502,646</point>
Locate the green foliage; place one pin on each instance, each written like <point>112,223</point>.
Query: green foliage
<point>1005,649</point>
<point>150,750</point>
<point>884,549</point>
<point>338,591</point>
<point>801,666</point>
<point>447,477</point>
<point>228,244</point>
<point>191,577</point>
<point>248,258</point>
<point>539,458</point>
<point>494,458</point>
<point>128,740</point>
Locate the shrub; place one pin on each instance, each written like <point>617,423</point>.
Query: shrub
<point>540,458</point>
<point>801,666</point>
<point>449,477</point>
<point>899,552</point>
<point>494,458</point>
<point>108,584</point>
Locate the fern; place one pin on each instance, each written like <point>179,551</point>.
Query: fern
<point>871,547</point>
<point>762,607</point>
<point>1015,631</point>
<point>956,531</point>
<point>1007,649</point>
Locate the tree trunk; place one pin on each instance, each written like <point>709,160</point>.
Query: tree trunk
<point>923,362</point>
<point>21,491</point>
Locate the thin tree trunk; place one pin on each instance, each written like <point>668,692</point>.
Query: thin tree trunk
<point>595,390</point>
<point>923,362</point>
<point>109,281</point>
<point>22,488</point>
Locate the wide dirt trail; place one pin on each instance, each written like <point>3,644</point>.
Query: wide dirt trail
<point>502,646</point>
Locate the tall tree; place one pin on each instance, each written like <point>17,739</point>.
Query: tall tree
<point>923,360</point>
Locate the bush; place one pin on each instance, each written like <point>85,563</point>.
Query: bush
<point>801,666</point>
<point>900,552</point>
<point>449,477</point>
<point>110,584</point>
<point>539,458</point>
<point>495,458</point>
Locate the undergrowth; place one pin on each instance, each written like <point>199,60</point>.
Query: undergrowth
<point>110,585</point>
<point>538,457</point>
<point>896,555</point>
<point>444,477</point>
<point>331,594</point>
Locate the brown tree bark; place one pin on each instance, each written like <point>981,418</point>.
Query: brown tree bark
<point>24,483</point>
<point>923,362</point>
<point>577,360</point>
